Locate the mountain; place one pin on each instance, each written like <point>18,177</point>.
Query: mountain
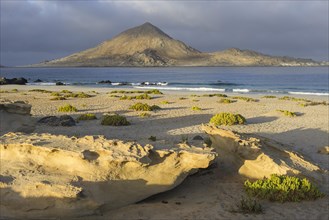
<point>147,45</point>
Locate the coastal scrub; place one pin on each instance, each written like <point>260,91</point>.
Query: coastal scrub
<point>225,118</point>
<point>115,120</point>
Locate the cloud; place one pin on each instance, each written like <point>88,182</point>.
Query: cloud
<point>40,30</point>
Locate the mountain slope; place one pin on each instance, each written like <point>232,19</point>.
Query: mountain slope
<point>147,45</point>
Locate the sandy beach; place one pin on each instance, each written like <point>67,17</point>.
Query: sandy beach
<point>209,194</point>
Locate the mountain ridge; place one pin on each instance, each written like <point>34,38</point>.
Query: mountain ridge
<point>148,45</point>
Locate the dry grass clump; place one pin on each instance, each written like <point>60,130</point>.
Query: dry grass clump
<point>85,117</point>
<point>225,118</point>
<point>287,113</point>
<point>247,99</point>
<point>144,107</point>
<point>67,108</point>
<point>215,95</point>
<point>7,91</point>
<point>289,98</point>
<point>283,188</point>
<point>77,95</point>
<point>248,206</point>
<point>143,96</point>
<point>269,97</point>
<point>144,115</point>
<point>115,120</point>
<point>313,103</point>
<point>58,98</point>
<point>40,90</point>
<point>226,101</point>
<point>196,108</point>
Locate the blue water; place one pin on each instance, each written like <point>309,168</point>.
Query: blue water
<point>293,80</point>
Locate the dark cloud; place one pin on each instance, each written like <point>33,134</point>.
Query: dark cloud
<point>36,30</point>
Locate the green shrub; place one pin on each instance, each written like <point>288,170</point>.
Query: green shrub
<point>77,95</point>
<point>226,101</point>
<point>152,138</point>
<point>88,116</point>
<point>144,107</point>
<point>67,108</point>
<point>154,91</point>
<point>143,96</point>
<point>165,102</point>
<point>282,188</point>
<point>58,98</point>
<point>55,94</point>
<point>14,90</point>
<point>313,103</point>
<point>195,100</point>
<point>65,91</point>
<point>196,108</point>
<point>269,97</point>
<point>249,206</point>
<point>227,119</point>
<point>213,95</point>
<point>144,115</point>
<point>247,99</point>
<point>288,98</point>
<point>40,90</point>
<point>182,98</point>
<point>287,113</point>
<point>115,120</point>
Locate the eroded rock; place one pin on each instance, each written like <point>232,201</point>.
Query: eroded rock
<point>15,117</point>
<point>257,157</point>
<point>59,176</point>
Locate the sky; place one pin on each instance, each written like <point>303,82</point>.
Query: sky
<point>36,30</point>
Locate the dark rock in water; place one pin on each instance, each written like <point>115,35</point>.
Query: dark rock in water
<point>38,81</point>
<point>64,120</point>
<point>59,84</point>
<point>198,138</point>
<point>105,82</point>
<point>18,81</point>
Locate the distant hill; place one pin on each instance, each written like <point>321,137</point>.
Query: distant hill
<point>147,45</point>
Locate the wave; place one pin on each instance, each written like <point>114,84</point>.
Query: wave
<point>241,90</point>
<point>310,93</point>
<point>42,84</point>
<point>204,89</point>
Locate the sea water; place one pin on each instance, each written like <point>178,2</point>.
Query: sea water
<point>281,80</point>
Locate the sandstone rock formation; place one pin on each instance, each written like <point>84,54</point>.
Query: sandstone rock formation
<point>257,157</point>
<point>147,45</point>
<point>15,116</point>
<point>48,176</point>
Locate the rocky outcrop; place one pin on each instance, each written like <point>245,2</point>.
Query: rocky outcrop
<point>257,157</point>
<point>15,117</point>
<point>48,176</point>
<point>18,81</point>
<point>64,120</point>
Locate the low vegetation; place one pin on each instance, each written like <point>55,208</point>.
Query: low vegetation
<point>7,91</point>
<point>165,102</point>
<point>287,113</point>
<point>289,98</point>
<point>115,120</point>
<point>247,99</point>
<point>196,108</point>
<point>225,118</point>
<point>144,107</point>
<point>215,95</point>
<point>153,91</point>
<point>283,188</point>
<point>67,108</point>
<point>249,206</point>
<point>226,101</point>
<point>85,117</point>
<point>152,138</point>
<point>144,115</point>
<point>77,95</point>
<point>313,103</point>
<point>182,98</point>
<point>40,90</point>
<point>143,96</point>
<point>195,100</point>
<point>58,98</point>
<point>269,97</point>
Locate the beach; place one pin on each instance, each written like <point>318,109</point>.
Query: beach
<point>204,195</point>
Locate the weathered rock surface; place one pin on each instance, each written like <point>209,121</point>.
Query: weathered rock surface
<point>18,81</point>
<point>257,157</point>
<point>64,120</point>
<point>48,176</point>
<point>15,117</point>
<point>324,150</point>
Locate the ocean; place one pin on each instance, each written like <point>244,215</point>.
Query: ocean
<point>271,80</point>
